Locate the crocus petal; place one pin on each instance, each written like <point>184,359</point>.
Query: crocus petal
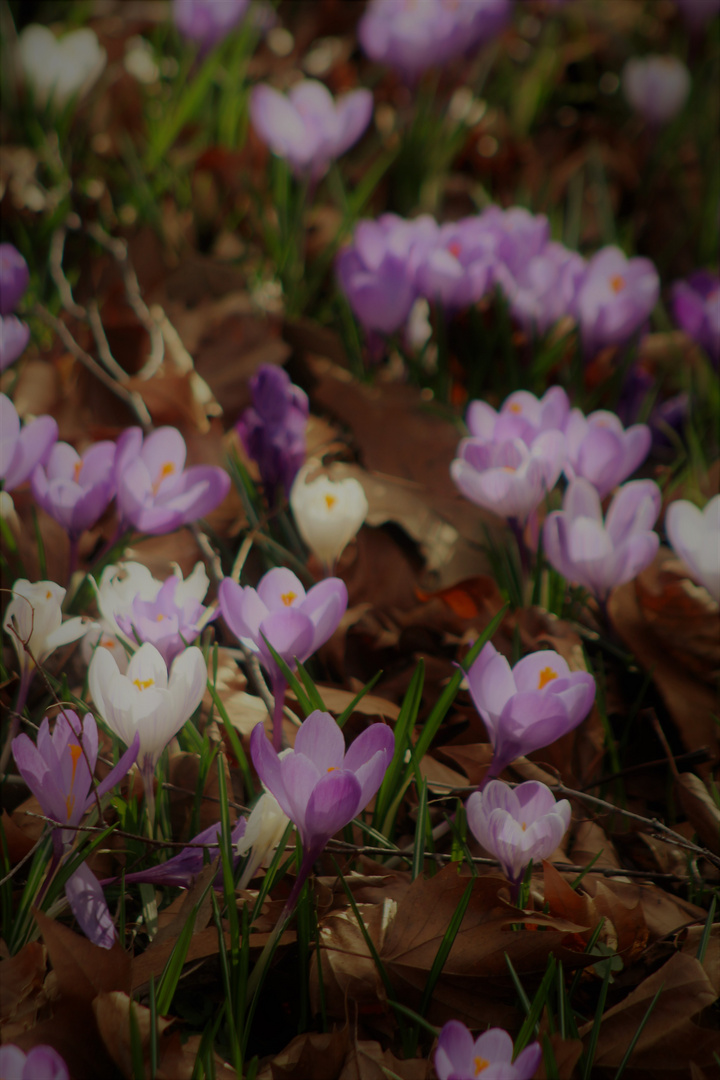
<point>268,766</point>
<point>88,905</point>
<point>321,740</point>
<point>334,802</point>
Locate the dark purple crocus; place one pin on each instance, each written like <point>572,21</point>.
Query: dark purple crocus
<point>182,869</point>
<point>40,1063</point>
<point>272,430</point>
<point>208,22</point>
<point>615,298</point>
<point>156,494</point>
<point>59,772</point>
<point>601,450</point>
<point>22,449</point>
<point>460,1057</point>
<point>14,278</point>
<point>319,785</point>
<point>76,489</point>
<point>281,613</point>
<point>529,706</point>
<point>166,622</point>
<point>696,310</point>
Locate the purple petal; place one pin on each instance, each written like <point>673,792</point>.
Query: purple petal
<point>334,802</point>
<point>454,1053</point>
<point>539,669</point>
<point>321,741</point>
<point>268,766</point>
<point>88,905</point>
<point>118,771</point>
<point>526,1063</point>
<point>280,589</point>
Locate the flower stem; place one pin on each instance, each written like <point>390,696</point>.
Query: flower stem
<point>148,778</point>
<point>73,558</point>
<point>523,552</point>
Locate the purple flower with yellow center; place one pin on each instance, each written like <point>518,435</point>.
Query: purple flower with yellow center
<point>167,622</point>
<point>696,310</point>
<point>615,298</point>
<point>280,613</point>
<point>600,450</point>
<point>601,555</point>
<point>40,1063</point>
<point>14,336</point>
<point>319,785</point>
<point>76,489</point>
<point>273,429</point>
<point>155,492</point>
<point>22,449</point>
<point>521,416</point>
<point>14,278</point>
<point>518,236</point>
<point>517,825</point>
<point>529,706</point>
<point>545,288</point>
<point>309,128</point>
<point>460,1057</point>
<point>456,269</point>
<point>59,772</point>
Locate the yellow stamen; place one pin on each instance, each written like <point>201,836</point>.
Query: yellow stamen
<point>617,283</point>
<point>515,407</point>
<point>48,594</point>
<point>288,597</point>
<point>75,754</point>
<point>159,618</point>
<point>331,768</point>
<point>142,684</point>
<point>546,675</point>
<point>167,470</point>
<point>106,643</point>
<point>77,470</point>
<point>455,248</point>
<point>480,1065</point>
<point>508,468</point>
<point>69,804</point>
<point>330,501</point>
<point>524,825</point>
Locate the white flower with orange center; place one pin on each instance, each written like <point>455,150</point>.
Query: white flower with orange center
<point>34,621</point>
<point>328,513</point>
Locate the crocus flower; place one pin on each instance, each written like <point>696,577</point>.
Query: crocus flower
<point>76,489</point>
<point>282,614</point>
<point>521,416</point>
<point>529,706</point>
<point>413,35</point>
<point>456,269</point>
<point>460,1057</point>
<point>656,87</point>
<point>14,278</point>
<point>600,555</point>
<point>55,70</point>
<point>698,13</point>
<point>318,785</point>
<point>14,336</point>
<point>695,537</point>
<point>155,492</point>
<point>517,236</point>
<point>272,430</point>
<point>600,450</point>
<point>180,870</point>
<point>308,128</point>
<point>59,772</point>
<point>696,310</point>
<point>509,478</point>
<point>208,22</point>
<point>517,825</point>
<point>615,298</point>
<point>21,449</point>
<point>33,618</point>
<point>147,700</point>
<point>265,829</point>
<point>545,288</point>
<point>40,1063</point>
<point>328,513</point>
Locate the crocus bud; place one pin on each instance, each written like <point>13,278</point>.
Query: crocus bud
<point>460,1057</point>
<point>272,429</point>
<point>54,69</point>
<point>14,278</point>
<point>696,310</point>
<point>656,87</point>
<point>264,831</point>
<point>695,537</point>
<point>328,513</point>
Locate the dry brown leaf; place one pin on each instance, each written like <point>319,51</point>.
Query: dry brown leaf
<point>567,1054</point>
<point>368,1061</point>
<point>83,970</point>
<point>21,989</point>
<point>348,969</point>
<point>319,1056</point>
<point>112,1015</point>
<point>691,939</point>
<point>698,804</point>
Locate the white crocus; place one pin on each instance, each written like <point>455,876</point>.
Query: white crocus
<point>58,69</point>
<point>695,537</point>
<point>328,513</point>
<point>34,621</point>
<point>121,585</point>
<point>264,830</point>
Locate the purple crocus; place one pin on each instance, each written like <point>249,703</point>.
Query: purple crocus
<point>22,449</point>
<point>181,869</point>
<point>656,87</point>
<point>155,492</point>
<point>272,429</point>
<point>59,772</point>
<point>545,288</point>
<point>413,35</point>
<point>529,706</point>
<point>208,22</point>
<point>600,450</point>
<point>280,613</point>
<point>14,278</point>
<point>600,555</point>
<point>76,489</point>
<point>168,622</point>
<point>40,1063</point>
<point>460,1057</point>
<point>456,269</point>
<point>308,128</point>
<point>518,236</point>
<point>517,825</point>
<point>615,298</point>
<point>14,336</point>
<point>319,785</point>
<point>696,310</point>
<point>521,416</point>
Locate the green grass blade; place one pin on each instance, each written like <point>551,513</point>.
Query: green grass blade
<point>638,1033</point>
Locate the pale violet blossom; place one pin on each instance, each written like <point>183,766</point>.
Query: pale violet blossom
<point>34,621</point>
<point>264,830</point>
<point>695,537</point>
<point>328,513</point>
<point>55,70</point>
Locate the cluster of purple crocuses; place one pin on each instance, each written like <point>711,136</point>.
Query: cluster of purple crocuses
<point>14,279</point>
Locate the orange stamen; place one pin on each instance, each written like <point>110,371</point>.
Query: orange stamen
<point>330,501</point>
<point>288,597</point>
<point>515,407</point>
<point>546,675</point>
<point>331,768</point>
<point>455,248</point>
<point>142,684</point>
<point>617,283</point>
<point>480,1065</point>
<point>167,470</point>
<point>77,470</point>
<point>159,618</point>
<point>75,754</point>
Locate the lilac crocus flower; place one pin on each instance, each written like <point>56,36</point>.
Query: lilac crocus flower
<point>695,537</point>
<point>155,492</point>
<point>14,336</point>
<point>517,236</point>
<point>319,785</point>
<point>308,128</point>
<point>517,825</point>
<point>169,621</point>
<point>529,706</point>
<point>509,478</point>
<point>460,1057</point>
<point>40,1063</point>
<point>545,288</point>
<point>21,449</point>
<point>413,35</point>
<point>615,298</point>
<point>656,87</point>
<point>59,772</point>
<point>696,310</point>
<point>76,489</point>
<point>272,430</point>
<point>282,614</point>
<point>600,450</point>
<point>456,269</point>
<point>521,416</point>
<point>600,555</point>
<point>181,869</point>
<point>208,22</point>
<point>14,278</point>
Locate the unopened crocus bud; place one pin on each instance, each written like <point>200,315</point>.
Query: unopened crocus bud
<point>615,298</point>
<point>14,278</point>
<point>76,489</point>
<point>21,449</point>
<point>272,429</point>
<point>656,87</point>
<point>55,70</point>
<point>696,310</point>
<point>695,537</point>
<point>460,1057</point>
<point>328,513</point>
